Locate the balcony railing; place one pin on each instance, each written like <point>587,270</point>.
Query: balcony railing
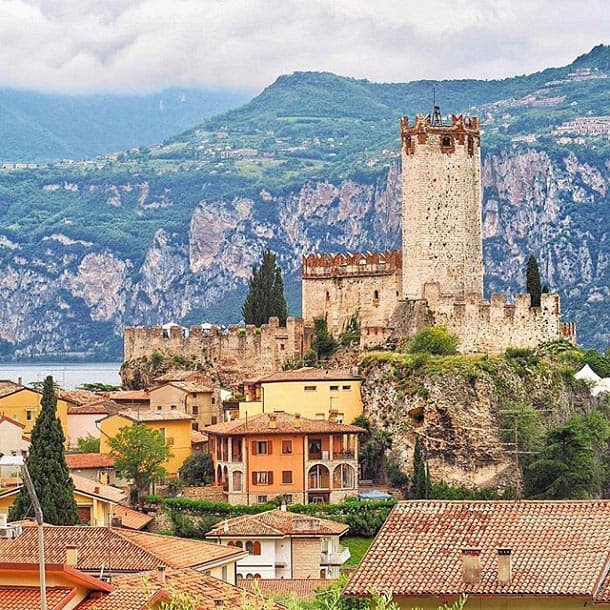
<point>338,558</point>
<point>347,454</point>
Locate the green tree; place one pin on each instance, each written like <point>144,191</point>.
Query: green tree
<point>88,444</point>
<point>434,340</point>
<point>198,469</point>
<point>323,342</point>
<point>533,283</point>
<point>139,452</point>
<point>47,466</point>
<point>569,466</point>
<point>420,485</point>
<point>265,296</point>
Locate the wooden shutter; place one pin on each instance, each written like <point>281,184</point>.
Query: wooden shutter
<point>254,478</point>
<point>269,447</point>
<point>254,448</point>
<point>270,477</point>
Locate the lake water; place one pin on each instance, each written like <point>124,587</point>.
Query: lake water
<point>68,375</point>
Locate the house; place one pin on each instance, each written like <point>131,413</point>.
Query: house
<point>95,501</point>
<point>286,588</point>
<point>97,467</point>
<point>22,404</point>
<point>174,426</point>
<point>279,454</point>
<point>12,441</point>
<point>110,550</point>
<point>130,399</point>
<point>69,588</point>
<point>82,419</point>
<point>513,555</point>
<point>282,544</point>
<point>211,593</point>
<point>312,392</point>
<point>195,398</point>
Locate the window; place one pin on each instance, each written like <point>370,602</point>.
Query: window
<point>239,544</point>
<point>225,573</point>
<point>29,414</point>
<point>286,447</point>
<point>347,388</point>
<point>195,426</point>
<point>262,477</point>
<point>376,295</point>
<point>320,416</point>
<point>213,400</point>
<point>261,499</point>
<point>173,407</point>
<point>288,498</point>
<point>261,447</point>
<point>344,477</point>
<point>282,347</point>
<point>159,408</point>
<point>237,480</point>
<point>310,388</point>
<point>214,419</point>
<point>195,410</point>
<point>315,447</point>
<point>287,477</point>
<point>334,388</point>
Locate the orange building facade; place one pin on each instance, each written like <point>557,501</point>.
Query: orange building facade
<point>279,454</point>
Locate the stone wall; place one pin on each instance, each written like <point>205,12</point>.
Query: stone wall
<point>243,352</point>
<point>336,287</point>
<point>308,551</point>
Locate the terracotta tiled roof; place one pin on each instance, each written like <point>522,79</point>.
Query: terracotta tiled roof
<point>129,395</point>
<point>8,387</point>
<point>192,387</point>
<point>206,589</point>
<point>89,460</point>
<point>309,374</point>
<point>285,422</point>
<point>28,598</point>
<point>299,588</point>
<point>130,518</point>
<point>121,600</point>
<point>108,492</point>
<point>277,522</point>
<point>10,420</point>
<point>559,548</point>
<point>198,437</point>
<point>115,548</point>
<point>145,415</point>
<point>78,397</point>
<point>98,407</point>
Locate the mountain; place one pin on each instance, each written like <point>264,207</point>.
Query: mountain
<point>170,232</point>
<point>39,127</point>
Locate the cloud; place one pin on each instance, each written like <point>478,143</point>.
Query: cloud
<point>143,45</point>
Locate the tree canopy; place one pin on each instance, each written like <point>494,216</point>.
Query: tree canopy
<point>139,453</point>
<point>198,469</point>
<point>265,296</point>
<point>46,464</point>
<point>533,283</point>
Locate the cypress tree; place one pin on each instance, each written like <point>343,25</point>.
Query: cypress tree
<point>533,284</point>
<point>420,487</point>
<point>265,296</point>
<point>47,466</point>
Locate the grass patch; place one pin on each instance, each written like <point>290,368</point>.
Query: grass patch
<point>357,547</point>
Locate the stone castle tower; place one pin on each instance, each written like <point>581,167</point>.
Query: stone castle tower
<point>441,206</point>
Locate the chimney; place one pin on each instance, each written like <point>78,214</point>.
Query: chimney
<point>283,505</point>
<point>161,574</point>
<point>272,421</point>
<point>297,420</point>
<point>471,566</point>
<point>96,490</point>
<point>71,555</point>
<point>19,380</point>
<point>333,416</point>
<point>505,567</point>
<point>226,525</point>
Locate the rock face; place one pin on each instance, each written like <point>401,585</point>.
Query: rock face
<point>66,295</point>
<point>460,406</point>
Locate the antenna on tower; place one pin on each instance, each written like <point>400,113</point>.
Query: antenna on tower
<point>437,119</point>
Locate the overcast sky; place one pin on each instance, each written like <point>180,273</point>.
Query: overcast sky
<point>146,45</point>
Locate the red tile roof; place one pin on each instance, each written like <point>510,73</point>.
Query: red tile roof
<point>130,518</point>
<point>559,548</point>
<point>89,460</point>
<point>144,415</point>
<point>28,598</point>
<point>108,492</point>
<point>205,589</point>
<point>99,407</point>
<point>123,600</point>
<point>129,395</point>
<point>277,522</point>
<point>285,424</point>
<point>286,588</point>
<point>115,549</point>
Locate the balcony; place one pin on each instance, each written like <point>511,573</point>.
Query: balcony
<point>335,559</point>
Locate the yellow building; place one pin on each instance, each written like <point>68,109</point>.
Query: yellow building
<point>23,405</point>
<point>195,398</point>
<point>311,392</point>
<point>174,426</point>
<point>504,555</point>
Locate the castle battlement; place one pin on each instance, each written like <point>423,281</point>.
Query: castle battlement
<point>348,264</point>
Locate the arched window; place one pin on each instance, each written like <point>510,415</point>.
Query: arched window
<point>239,544</point>
<point>257,575</point>
<point>249,546</point>
<point>446,142</point>
<point>237,480</point>
<point>344,477</point>
<point>327,296</point>
<point>231,543</point>
<point>318,477</point>
<point>376,295</point>
<point>219,475</point>
<point>256,548</point>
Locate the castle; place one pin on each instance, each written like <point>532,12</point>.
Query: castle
<point>436,279</point>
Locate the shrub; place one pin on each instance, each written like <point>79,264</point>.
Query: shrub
<point>434,340</point>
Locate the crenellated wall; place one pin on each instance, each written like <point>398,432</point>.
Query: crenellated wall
<point>246,352</point>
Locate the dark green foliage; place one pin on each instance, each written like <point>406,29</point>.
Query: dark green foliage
<point>88,444</point>
<point>198,469</point>
<point>570,465</point>
<point>420,483</point>
<point>47,466</point>
<point>372,455</point>
<point>323,342</point>
<point>444,491</point>
<point>139,452</point>
<point>533,284</point>
<point>435,340</point>
<point>265,296</point>
<point>396,476</point>
<point>600,364</point>
<point>99,387</point>
<point>351,331</point>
